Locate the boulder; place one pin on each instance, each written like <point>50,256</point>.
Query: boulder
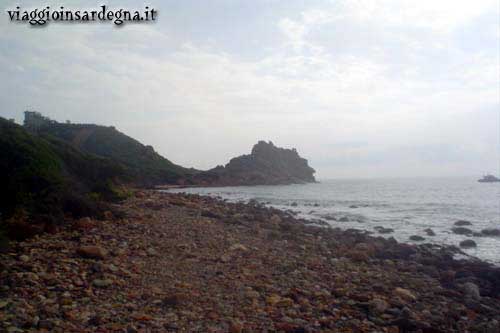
<point>468,243</point>
<point>383,230</point>
<point>429,232</point>
<point>275,219</point>
<point>104,283</point>
<point>491,232</point>
<point>83,224</point>
<point>92,252</point>
<point>417,238</point>
<point>471,290</point>
<point>461,231</point>
<point>378,306</point>
<point>405,294</point>
<point>238,247</point>
<point>210,214</point>
<point>462,223</point>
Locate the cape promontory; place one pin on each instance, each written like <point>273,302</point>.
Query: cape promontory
<point>265,165</point>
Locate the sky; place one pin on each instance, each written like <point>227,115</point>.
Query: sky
<point>389,88</point>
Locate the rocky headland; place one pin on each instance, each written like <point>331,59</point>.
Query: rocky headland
<point>265,165</point>
<point>185,263</point>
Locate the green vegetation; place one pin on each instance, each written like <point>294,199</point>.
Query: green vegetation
<point>44,179</point>
<point>50,171</point>
<point>141,162</point>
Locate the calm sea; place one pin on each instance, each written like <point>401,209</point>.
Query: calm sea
<point>406,205</point>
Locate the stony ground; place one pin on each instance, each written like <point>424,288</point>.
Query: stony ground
<point>197,264</point>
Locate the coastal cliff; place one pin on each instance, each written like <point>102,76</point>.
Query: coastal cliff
<point>265,165</point>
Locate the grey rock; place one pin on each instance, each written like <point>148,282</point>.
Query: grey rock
<point>102,283</point>
<point>430,232</point>
<point>468,243</point>
<point>462,223</point>
<point>491,232</point>
<point>471,290</point>
<point>461,231</point>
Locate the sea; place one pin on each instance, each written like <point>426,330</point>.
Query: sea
<point>409,206</point>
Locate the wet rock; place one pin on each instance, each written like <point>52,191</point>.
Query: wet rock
<point>343,219</point>
<point>468,243</point>
<point>491,232</point>
<point>462,223</point>
<point>461,231</point>
<point>429,232</point>
<point>294,204</point>
<point>92,252</point>
<point>353,206</point>
<point>417,238</point>
<point>383,230</point>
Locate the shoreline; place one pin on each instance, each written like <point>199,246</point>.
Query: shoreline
<point>187,262</point>
<point>410,222</point>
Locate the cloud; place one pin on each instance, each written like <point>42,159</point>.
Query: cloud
<point>393,76</point>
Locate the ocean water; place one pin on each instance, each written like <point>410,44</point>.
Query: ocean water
<point>406,205</point>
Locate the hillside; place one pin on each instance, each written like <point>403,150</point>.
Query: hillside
<point>142,163</point>
<point>43,179</point>
<point>265,165</point>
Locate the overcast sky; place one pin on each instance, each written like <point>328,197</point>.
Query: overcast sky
<point>361,88</point>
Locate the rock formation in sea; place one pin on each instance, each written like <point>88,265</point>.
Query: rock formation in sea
<point>265,165</point>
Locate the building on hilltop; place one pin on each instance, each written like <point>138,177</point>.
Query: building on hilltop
<point>35,120</point>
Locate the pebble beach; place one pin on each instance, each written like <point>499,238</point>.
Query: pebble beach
<point>164,262</point>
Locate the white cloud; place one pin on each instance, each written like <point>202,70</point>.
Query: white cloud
<point>402,80</point>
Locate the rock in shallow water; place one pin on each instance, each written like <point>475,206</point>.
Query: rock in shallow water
<point>468,243</point>
<point>383,230</point>
<point>430,232</point>
<point>461,231</point>
<point>417,238</point>
<point>462,223</point>
<point>491,232</point>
